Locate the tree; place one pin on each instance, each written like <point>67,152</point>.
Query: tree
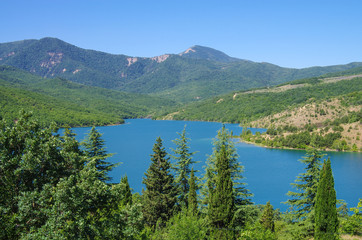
<point>127,192</point>
<point>241,194</point>
<point>267,218</point>
<point>326,220</point>
<point>95,150</point>
<point>31,158</point>
<point>221,202</point>
<point>302,201</point>
<point>192,197</point>
<point>159,198</point>
<point>183,161</point>
<point>353,224</point>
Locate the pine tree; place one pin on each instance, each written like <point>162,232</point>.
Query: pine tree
<point>241,194</point>
<point>192,196</point>
<point>95,151</point>
<point>303,200</point>
<point>183,161</point>
<point>73,155</point>
<point>127,193</point>
<point>159,198</point>
<point>267,218</point>
<point>326,220</point>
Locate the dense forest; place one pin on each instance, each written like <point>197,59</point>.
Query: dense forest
<point>68,103</point>
<point>54,187</point>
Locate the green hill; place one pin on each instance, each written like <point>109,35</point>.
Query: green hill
<point>198,73</point>
<point>246,106</point>
<point>63,101</point>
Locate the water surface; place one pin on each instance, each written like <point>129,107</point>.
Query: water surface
<point>268,172</point>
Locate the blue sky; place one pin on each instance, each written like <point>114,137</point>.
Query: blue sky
<point>289,33</point>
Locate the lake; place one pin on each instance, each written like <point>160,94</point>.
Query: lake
<point>268,172</point>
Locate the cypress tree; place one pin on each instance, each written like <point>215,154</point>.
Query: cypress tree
<point>159,198</point>
<point>267,218</point>
<point>192,196</point>
<point>95,151</point>
<point>183,161</point>
<point>221,205</point>
<point>326,220</point>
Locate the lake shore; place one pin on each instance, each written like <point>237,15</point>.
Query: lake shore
<point>289,148</point>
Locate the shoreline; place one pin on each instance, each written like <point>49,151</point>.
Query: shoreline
<point>288,148</point>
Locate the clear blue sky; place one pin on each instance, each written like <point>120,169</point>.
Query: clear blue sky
<point>289,33</point>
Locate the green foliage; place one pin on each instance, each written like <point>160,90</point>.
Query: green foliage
<point>95,151</point>
<point>192,196</point>
<point>159,198</point>
<point>221,200</point>
<point>183,226</point>
<point>183,161</point>
<point>241,194</point>
<point>267,218</point>
<point>65,102</point>
<point>51,189</point>
<point>242,107</point>
<point>127,192</point>
<point>353,224</point>
<point>326,220</point>
<point>302,201</point>
<point>256,231</point>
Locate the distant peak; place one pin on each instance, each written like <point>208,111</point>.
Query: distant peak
<point>207,53</point>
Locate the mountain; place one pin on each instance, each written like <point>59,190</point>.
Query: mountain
<point>66,102</point>
<point>200,52</point>
<point>197,73</point>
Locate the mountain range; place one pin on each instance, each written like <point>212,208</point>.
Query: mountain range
<point>197,73</point>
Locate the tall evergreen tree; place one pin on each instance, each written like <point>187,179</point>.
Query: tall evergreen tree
<point>221,205</point>
<point>326,220</point>
<point>241,194</point>
<point>95,151</point>
<point>267,217</point>
<point>192,196</point>
<point>183,161</point>
<point>127,193</point>
<point>303,201</point>
<point>159,198</point>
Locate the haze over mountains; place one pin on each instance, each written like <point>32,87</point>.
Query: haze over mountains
<point>197,73</point>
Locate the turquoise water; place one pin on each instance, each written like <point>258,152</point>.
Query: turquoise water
<point>268,172</point>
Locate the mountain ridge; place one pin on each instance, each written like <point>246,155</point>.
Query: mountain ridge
<point>199,73</point>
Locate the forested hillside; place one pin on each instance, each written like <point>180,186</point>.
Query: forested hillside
<point>243,107</point>
<point>197,73</point>
<point>65,102</point>
<point>324,112</point>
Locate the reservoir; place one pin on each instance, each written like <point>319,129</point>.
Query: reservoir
<point>268,172</point>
